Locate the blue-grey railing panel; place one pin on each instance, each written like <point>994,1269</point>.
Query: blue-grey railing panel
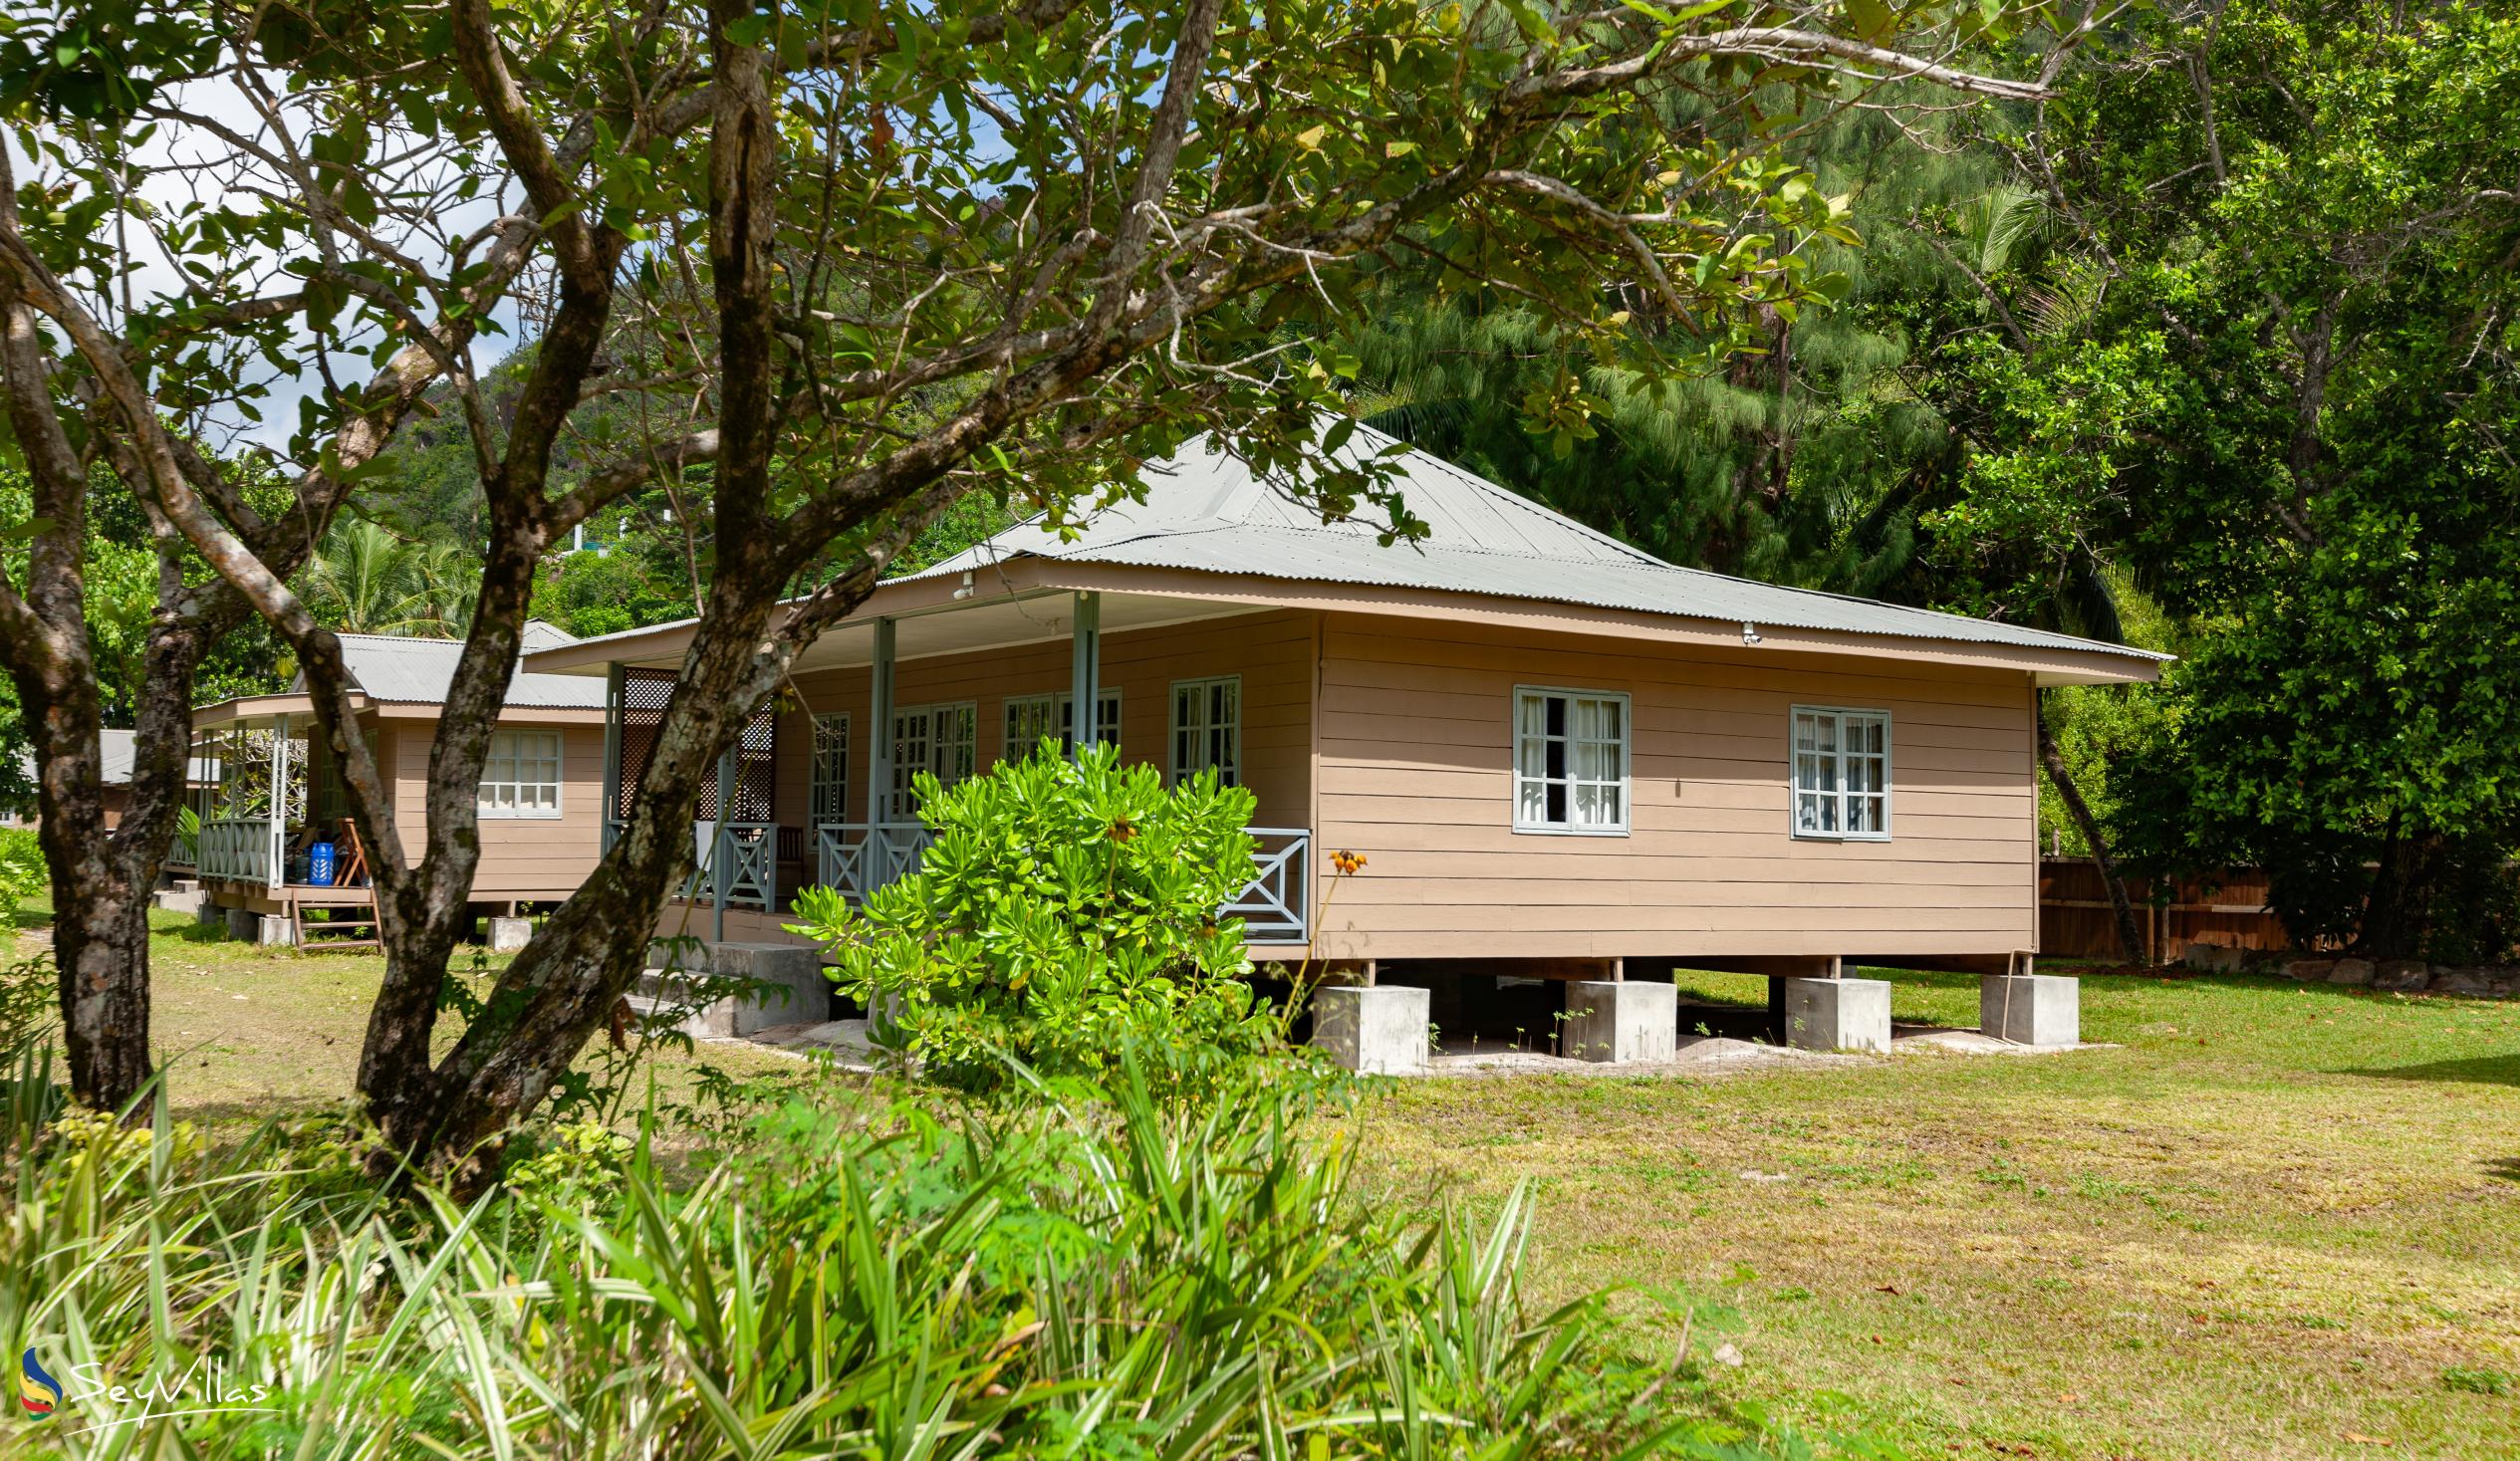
<point>236,847</point>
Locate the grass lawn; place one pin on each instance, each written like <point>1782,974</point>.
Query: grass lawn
<point>2279,1221</point>
<point>245,1032</point>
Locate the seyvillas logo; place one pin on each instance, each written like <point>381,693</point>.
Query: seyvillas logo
<point>203,1387</point>
<point>37,1391</point>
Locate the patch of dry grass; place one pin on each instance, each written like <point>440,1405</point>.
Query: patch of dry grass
<point>245,1033</point>
<point>2279,1221</point>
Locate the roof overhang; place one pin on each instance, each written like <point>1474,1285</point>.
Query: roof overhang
<point>1024,599</point>
<point>252,712</point>
<point>262,712</point>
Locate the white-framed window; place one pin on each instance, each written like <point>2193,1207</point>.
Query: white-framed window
<point>522,775</point>
<point>1569,761</point>
<point>1842,773</point>
<point>1207,728</point>
<point>1030,717</point>
<point>940,739</point>
<point>827,781</point>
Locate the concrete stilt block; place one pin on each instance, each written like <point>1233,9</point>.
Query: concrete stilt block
<point>242,922</point>
<point>275,930</point>
<point>509,935</point>
<point>715,1022</point>
<point>178,900</point>
<point>794,988</point>
<point>1620,1021</point>
<point>208,913</point>
<point>2031,1009</point>
<point>1375,1030</point>
<point>1837,1014</point>
<point>668,953</point>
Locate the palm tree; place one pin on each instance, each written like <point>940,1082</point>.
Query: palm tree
<point>446,583</point>
<point>369,581</point>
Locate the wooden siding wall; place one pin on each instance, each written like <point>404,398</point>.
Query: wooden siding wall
<point>521,857</point>
<point>1416,773</point>
<point>1272,651</point>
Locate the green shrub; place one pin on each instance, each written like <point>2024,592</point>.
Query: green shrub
<point>1118,1278</point>
<point>22,872</point>
<point>1066,910</point>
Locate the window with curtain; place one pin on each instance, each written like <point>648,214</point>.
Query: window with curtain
<point>1842,773</point>
<point>522,775</point>
<point>1569,761</point>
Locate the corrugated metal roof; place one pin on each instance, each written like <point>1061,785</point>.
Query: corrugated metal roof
<point>115,752</point>
<point>1208,512</point>
<point>418,671</point>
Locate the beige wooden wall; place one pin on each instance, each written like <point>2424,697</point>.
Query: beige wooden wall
<point>521,857</point>
<point>1416,773</point>
<point>1272,651</point>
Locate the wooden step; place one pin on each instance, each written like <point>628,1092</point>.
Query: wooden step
<point>347,926</point>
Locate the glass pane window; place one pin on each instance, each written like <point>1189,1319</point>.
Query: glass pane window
<point>521,778</point>
<point>1569,761</point>
<point>942,740</point>
<point>1207,728</point>
<point>1028,719</point>
<point>1842,773</point>
<point>1031,717</point>
<point>829,786</point>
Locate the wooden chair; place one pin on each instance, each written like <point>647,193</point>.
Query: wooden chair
<point>351,869</point>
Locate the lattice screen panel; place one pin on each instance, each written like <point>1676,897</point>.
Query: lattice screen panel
<point>645,694</point>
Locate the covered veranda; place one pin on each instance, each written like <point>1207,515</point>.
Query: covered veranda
<point>961,670</point>
<point>266,795</point>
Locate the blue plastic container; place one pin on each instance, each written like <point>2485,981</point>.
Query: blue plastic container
<point>318,865</point>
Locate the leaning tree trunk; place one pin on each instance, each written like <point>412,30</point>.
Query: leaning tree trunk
<point>2129,939</point>
<point>567,981</point>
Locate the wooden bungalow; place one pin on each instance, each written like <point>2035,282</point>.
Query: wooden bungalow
<point>1560,758</point>
<point>256,858</point>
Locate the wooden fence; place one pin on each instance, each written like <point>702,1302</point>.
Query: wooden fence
<point>2074,920</point>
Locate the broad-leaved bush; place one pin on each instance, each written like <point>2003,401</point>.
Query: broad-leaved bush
<point>1065,910</point>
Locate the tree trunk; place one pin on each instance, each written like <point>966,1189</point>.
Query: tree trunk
<point>2129,939</point>
<point>549,1001</point>
<point>2397,917</point>
<point>101,948</point>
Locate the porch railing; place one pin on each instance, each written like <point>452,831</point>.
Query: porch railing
<point>856,858</point>
<point>1275,907</point>
<point>237,847</point>
<point>747,853</point>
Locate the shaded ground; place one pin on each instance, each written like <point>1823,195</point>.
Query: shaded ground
<point>2279,1220</point>
<point>245,1032</point>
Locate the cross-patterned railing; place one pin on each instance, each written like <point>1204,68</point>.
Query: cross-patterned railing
<point>237,847</point>
<point>1274,908</point>
<point>748,854</point>
<point>855,857</point>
